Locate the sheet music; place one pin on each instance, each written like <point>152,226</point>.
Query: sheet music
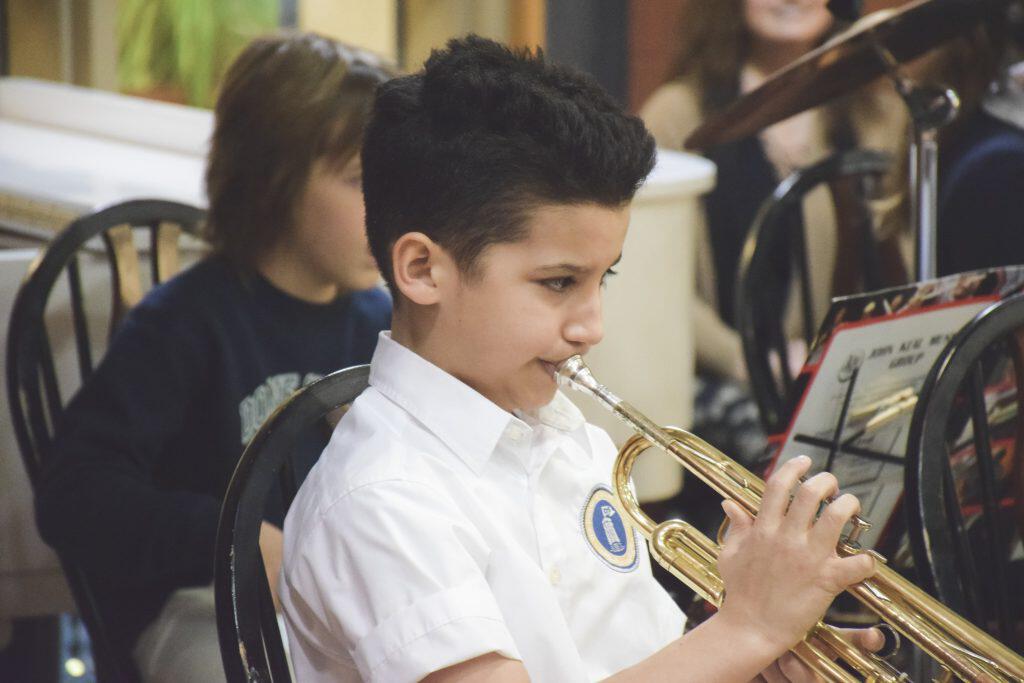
<point>862,378</point>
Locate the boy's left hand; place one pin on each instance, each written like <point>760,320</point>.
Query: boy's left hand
<point>789,669</point>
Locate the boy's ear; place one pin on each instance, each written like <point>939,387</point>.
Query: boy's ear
<point>420,266</point>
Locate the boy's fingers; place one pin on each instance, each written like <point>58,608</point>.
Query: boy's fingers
<point>851,570</point>
<point>809,497</point>
<point>772,674</point>
<point>794,670</point>
<point>739,520</point>
<point>870,639</point>
<point>834,517</point>
<point>777,488</point>
<point>890,641</point>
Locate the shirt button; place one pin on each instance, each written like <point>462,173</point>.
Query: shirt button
<point>555,576</point>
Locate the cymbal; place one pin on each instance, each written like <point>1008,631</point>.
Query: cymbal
<point>846,62</point>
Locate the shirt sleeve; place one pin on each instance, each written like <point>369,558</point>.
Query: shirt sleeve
<point>393,575</point>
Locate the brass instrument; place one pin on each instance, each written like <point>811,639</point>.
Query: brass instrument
<point>964,651</point>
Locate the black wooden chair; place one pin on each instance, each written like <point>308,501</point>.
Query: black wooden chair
<point>105,238</point>
<point>964,478</point>
<point>762,291</point>
<point>250,641</point>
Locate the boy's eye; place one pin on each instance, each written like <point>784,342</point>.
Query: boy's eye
<point>355,181</point>
<point>559,284</point>
<point>565,283</point>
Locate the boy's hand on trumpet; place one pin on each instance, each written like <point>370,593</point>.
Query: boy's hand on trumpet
<point>789,669</point>
<point>781,570</point>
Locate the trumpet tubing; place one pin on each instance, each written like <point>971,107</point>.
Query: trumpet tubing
<point>964,650</point>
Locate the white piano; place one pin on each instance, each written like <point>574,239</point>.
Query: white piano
<point>65,150</point>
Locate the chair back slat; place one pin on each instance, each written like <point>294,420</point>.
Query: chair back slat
<point>127,285</point>
<point>803,271</point>
<point>986,478</point>
<point>867,186</point>
<point>79,322</point>
<point>250,640</point>
<point>164,246</point>
<point>48,377</point>
<point>28,403</point>
<point>969,600</point>
<point>37,423</point>
<point>33,389</point>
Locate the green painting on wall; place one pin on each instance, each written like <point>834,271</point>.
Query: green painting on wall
<point>178,50</point>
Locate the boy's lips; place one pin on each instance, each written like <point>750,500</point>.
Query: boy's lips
<point>552,368</point>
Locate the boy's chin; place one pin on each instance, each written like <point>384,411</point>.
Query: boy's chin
<point>540,398</point>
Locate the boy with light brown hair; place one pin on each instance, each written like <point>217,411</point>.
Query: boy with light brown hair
<point>145,450</point>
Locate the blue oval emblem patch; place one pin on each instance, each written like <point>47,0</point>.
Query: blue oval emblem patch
<point>607,532</point>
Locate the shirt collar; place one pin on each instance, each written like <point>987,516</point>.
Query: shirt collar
<point>468,423</point>
<point>561,414</point>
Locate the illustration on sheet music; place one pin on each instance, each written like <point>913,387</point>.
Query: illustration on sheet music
<point>857,391</point>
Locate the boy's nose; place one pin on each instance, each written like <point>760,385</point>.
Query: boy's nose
<point>587,327</point>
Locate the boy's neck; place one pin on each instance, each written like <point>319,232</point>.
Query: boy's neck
<point>295,278</point>
<point>415,335</point>
<point>414,329</point>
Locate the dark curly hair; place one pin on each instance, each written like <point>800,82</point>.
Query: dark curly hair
<point>464,149</point>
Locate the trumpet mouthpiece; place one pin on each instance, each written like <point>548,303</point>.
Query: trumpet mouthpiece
<point>573,373</point>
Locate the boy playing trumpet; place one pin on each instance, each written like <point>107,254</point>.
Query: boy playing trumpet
<point>460,524</point>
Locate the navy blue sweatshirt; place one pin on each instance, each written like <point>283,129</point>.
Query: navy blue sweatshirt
<point>146,448</point>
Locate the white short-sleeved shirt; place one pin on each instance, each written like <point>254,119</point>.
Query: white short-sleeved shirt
<point>437,527</point>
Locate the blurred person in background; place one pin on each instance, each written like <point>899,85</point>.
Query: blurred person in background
<point>730,47</point>
<point>289,293</point>
<point>981,154</point>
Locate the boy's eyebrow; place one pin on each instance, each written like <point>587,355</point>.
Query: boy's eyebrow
<point>572,267</point>
<point>562,267</point>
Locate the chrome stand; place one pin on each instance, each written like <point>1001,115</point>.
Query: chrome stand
<point>931,107</point>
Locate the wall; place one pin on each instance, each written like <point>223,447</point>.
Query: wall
<point>34,30</point>
<point>64,40</point>
<point>372,25</point>
<point>428,24</point>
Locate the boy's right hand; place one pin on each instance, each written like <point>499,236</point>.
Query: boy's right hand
<point>781,570</point>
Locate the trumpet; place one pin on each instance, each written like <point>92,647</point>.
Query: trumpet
<point>964,651</point>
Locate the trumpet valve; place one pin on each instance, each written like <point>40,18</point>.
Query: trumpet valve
<point>858,528</point>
